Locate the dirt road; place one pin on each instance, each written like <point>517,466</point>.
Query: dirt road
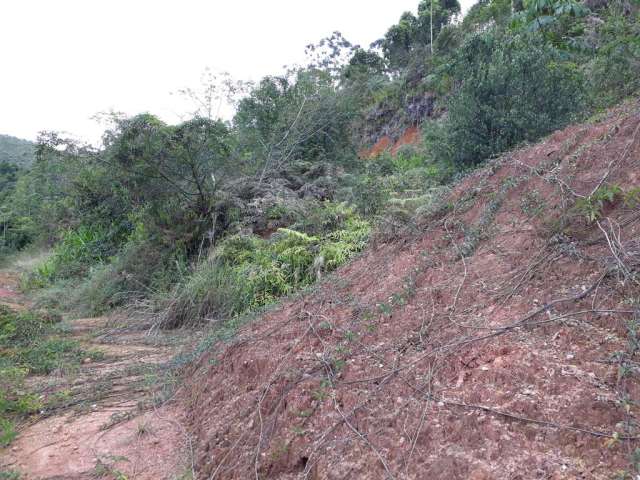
<point>110,418</point>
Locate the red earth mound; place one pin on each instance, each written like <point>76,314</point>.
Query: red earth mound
<point>494,345</point>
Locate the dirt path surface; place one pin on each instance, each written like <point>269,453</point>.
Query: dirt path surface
<point>106,421</point>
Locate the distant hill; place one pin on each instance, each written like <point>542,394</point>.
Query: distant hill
<point>17,151</point>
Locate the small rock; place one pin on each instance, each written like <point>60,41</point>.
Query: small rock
<point>87,360</point>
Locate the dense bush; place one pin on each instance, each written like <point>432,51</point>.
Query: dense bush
<point>514,88</point>
<point>247,272</point>
<point>614,71</point>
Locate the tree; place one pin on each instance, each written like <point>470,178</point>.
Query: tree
<point>363,64</point>
<point>214,91</point>
<point>432,16</point>
<point>161,161</point>
<point>294,117</point>
<point>330,54</point>
<point>544,14</point>
<point>412,32</point>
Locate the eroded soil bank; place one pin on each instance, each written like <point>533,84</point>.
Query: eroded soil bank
<point>496,341</point>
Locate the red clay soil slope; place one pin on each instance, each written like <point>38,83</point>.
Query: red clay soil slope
<point>410,136</point>
<point>497,344</point>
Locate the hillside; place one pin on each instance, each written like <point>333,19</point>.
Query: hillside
<point>417,259</point>
<point>16,151</point>
<point>498,342</point>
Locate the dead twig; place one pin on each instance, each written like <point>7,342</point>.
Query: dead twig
<point>544,423</point>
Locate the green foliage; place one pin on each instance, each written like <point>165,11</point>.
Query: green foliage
<point>363,65</point>
<point>7,435</point>
<point>245,273</point>
<point>28,345</point>
<point>20,328</point>
<point>162,214</point>
<point>412,33</point>
<point>591,207</point>
<point>632,197</point>
<point>16,151</point>
<point>614,70</point>
<point>294,116</point>
<point>73,255</point>
<point>407,158</point>
<point>16,231</point>
<point>545,14</point>
<point>28,341</point>
<point>9,475</point>
<point>514,89</point>
<point>487,12</point>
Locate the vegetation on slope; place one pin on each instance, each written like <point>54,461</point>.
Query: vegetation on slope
<point>154,212</point>
<point>205,221</point>
<point>502,332</point>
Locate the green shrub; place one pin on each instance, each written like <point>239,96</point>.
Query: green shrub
<point>21,328</point>
<point>29,345</point>
<point>591,206</point>
<point>245,273</point>
<point>614,71</point>
<point>141,269</point>
<point>408,158</point>
<point>515,88</point>
<point>28,342</point>
<point>73,256</point>
<point>47,355</point>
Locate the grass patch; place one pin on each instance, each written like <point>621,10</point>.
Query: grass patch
<point>30,344</point>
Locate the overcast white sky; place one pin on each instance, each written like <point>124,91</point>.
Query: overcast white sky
<point>62,61</point>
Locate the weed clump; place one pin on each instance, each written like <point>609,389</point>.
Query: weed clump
<point>246,272</point>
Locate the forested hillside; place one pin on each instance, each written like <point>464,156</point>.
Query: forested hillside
<point>16,151</point>
<point>207,223</point>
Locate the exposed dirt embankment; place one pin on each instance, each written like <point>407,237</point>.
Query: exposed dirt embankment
<point>494,346</point>
<point>410,136</point>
